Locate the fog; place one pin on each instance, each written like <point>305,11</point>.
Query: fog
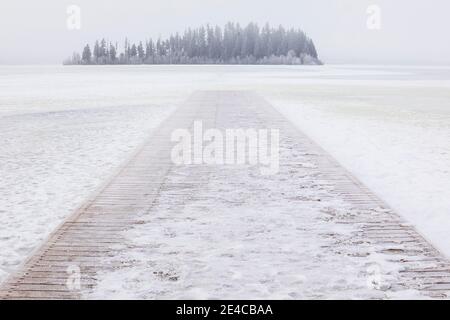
<point>405,32</point>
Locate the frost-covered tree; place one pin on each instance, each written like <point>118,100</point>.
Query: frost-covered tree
<point>133,52</point>
<point>207,44</point>
<point>141,52</point>
<point>97,52</point>
<point>87,55</point>
<point>103,48</point>
<point>112,53</point>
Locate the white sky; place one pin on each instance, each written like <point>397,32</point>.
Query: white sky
<point>412,31</point>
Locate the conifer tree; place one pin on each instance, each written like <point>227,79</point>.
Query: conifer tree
<point>86,56</point>
<point>208,44</point>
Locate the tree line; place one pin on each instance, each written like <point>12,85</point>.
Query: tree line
<point>208,45</point>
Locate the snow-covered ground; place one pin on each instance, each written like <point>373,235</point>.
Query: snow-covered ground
<point>393,133</point>
<point>65,129</point>
<point>228,232</point>
<point>51,161</point>
<point>59,141</point>
<point>234,236</point>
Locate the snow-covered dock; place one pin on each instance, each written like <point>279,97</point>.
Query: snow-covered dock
<point>157,230</point>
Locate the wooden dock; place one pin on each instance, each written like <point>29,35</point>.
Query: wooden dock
<point>81,245</point>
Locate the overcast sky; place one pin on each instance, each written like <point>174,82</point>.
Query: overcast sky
<point>412,31</point>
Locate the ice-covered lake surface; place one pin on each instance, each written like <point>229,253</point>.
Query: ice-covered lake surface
<point>64,130</point>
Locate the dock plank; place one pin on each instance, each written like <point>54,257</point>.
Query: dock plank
<point>95,231</point>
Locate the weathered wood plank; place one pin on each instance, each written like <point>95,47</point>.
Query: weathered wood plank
<point>95,231</point>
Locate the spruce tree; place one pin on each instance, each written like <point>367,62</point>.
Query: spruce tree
<point>141,52</point>
<point>86,56</point>
<point>235,44</point>
<point>112,53</point>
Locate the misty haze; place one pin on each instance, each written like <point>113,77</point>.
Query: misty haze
<point>211,150</point>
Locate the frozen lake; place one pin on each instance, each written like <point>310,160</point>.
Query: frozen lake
<point>65,129</point>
